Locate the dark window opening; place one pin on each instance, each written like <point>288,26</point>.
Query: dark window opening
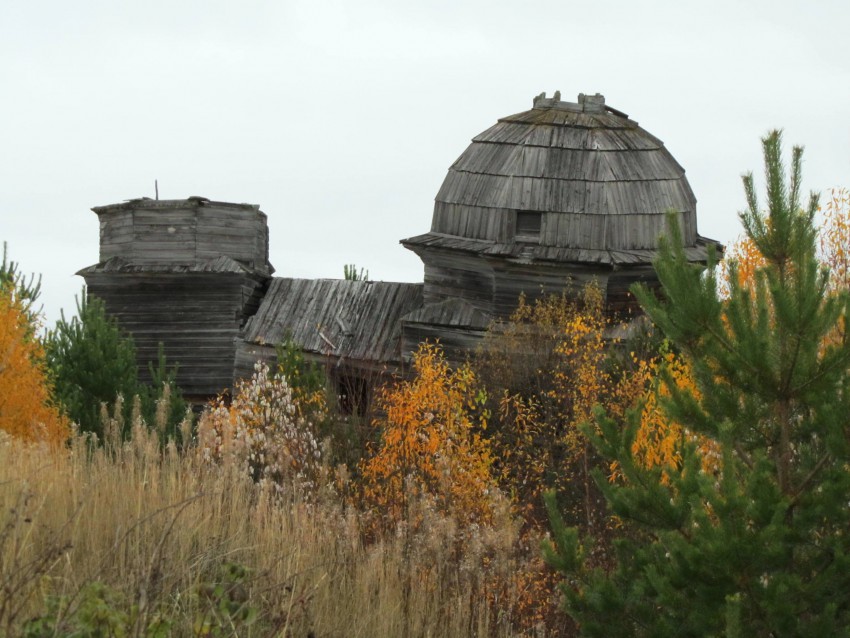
<point>353,395</point>
<point>528,225</point>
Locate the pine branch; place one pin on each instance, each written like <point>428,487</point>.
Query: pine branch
<point>804,485</point>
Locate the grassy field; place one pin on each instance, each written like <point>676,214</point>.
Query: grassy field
<point>132,539</point>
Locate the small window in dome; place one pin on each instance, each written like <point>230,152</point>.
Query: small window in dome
<point>527,225</point>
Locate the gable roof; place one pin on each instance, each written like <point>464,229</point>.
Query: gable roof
<point>357,320</point>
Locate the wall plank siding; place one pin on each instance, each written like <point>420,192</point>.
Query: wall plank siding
<point>196,316</point>
<point>184,273</point>
<point>167,232</point>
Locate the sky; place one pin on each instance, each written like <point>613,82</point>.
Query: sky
<point>340,119</point>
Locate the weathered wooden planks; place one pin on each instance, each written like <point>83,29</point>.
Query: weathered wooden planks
<point>167,232</point>
<point>601,185</point>
<point>195,315</point>
<point>578,163</point>
<point>543,201</point>
<point>356,322</point>
<point>186,274</point>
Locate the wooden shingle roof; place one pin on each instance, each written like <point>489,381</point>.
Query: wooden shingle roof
<point>352,320</point>
<point>450,312</point>
<point>600,184</point>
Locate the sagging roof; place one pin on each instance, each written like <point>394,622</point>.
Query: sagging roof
<point>456,313</point>
<point>352,320</point>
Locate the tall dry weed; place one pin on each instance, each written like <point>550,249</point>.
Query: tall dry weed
<point>166,542</point>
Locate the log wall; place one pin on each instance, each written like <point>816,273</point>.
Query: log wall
<point>196,316</point>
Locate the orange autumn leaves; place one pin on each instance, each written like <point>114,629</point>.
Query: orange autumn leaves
<point>26,410</point>
<point>658,441</point>
<point>440,442</point>
<point>432,443</point>
<point>435,442</point>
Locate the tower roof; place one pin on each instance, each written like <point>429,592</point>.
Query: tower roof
<point>564,181</point>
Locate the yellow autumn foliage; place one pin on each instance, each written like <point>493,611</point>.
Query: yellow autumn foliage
<point>431,444</point>
<point>659,440</point>
<point>748,259</point>
<point>582,381</point>
<point>834,238</point>
<point>551,364</point>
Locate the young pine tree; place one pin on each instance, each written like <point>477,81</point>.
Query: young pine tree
<point>91,362</point>
<point>24,291</point>
<point>759,545</point>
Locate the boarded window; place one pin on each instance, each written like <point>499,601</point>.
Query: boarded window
<point>528,225</point>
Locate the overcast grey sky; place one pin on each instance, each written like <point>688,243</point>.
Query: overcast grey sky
<point>341,118</point>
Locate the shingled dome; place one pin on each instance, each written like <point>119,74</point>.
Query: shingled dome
<point>578,176</point>
<point>574,185</point>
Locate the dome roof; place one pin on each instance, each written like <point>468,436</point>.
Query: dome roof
<point>566,182</point>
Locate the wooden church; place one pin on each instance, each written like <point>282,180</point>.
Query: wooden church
<point>543,200</point>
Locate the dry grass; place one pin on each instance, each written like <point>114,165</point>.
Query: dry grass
<point>159,529</point>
